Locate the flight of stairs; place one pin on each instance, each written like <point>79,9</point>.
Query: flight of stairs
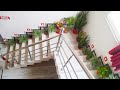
<point>24,61</point>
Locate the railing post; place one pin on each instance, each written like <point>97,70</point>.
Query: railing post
<point>33,50</point>
<point>19,56</point>
<point>59,38</point>
<point>7,56</point>
<point>26,53</point>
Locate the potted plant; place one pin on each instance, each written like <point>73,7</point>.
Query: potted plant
<point>80,34</point>
<point>95,63</point>
<point>85,50</point>
<point>52,28</point>
<point>83,41</point>
<point>89,55</point>
<point>103,71</point>
<point>29,34</point>
<point>111,76</point>
<point>69,23</point>
<point>23,38</point>
<point>37,33</point>
<point>80,21</point>
<point>11,42</point>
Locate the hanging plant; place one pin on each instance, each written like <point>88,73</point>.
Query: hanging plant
<point>23,38</point>
<point>37,33</point>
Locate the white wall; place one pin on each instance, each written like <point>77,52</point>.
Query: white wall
<point>21,20</point>
<point>100,33</point>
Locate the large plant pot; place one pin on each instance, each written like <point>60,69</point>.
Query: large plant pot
<point>75,31</point>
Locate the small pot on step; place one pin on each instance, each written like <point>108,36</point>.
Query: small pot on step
<point>75,31</point>
<point>66,30</point>
<point>58,31</point>
<point>79,46</point>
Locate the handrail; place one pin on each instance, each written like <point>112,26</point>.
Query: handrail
<point>77,58</point>
<point>32,44</point>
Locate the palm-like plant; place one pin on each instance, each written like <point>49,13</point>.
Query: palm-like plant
<point>85,50</point>
<point>37,33</point>
<point>80,20</point>
<point>83,41</point>
<point>23,38</point>
<point>89,55</point>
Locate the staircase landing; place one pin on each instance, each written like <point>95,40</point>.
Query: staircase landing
<point>43,70</point>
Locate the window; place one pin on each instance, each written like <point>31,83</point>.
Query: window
<point>114,22</point>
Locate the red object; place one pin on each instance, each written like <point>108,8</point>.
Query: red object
<point>58,32</point>
<point>7,61</point>
<point>116,55</point>
<point>115,50</point>
<point>97,72</point>
<point>116,58</point>
<point>4,17</point>
<point>92,46</point>
<point>75,31</point>
<point>115,63</point>
<point>3,58</point>
<point>105,59</point>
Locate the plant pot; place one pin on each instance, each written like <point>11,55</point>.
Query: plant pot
<point>77,39</point>
<point>66,30</point>
<point>30,36</point>
<point>75,31</point>
<point>58,31</point>
<point>46,32</point>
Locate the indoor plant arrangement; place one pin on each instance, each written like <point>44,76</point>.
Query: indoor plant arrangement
<point>83,41</point>
<point>80,34</point>
<point>80,21</point>
<point>69,23</point>
<point>103,71</point>
<point>85,50</point>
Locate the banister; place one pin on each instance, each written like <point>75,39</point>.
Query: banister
<point>32,45</point>
<point>77,58</point>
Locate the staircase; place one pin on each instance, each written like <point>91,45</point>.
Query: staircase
<point>52,56</point>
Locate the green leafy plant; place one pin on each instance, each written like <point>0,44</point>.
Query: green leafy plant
<point>80,34</point>
<point>95,62</point>
<point>52,28</point>
<point>70,21</point>
<point>37,33</point>
<point>85,50</point>
<point>80,20</point>
<point>23,38</point>
<point>11,42</point>
<point>83,41</point>
<point>104,71</point>
<point>89,55</point>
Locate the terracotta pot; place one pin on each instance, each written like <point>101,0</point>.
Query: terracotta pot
<point>66,30</point>
<point>79,47</point>
<point>75,31</point>
<point>58,31</point>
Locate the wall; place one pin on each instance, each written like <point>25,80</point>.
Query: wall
<point>21,20</point>
<point>100,33</point>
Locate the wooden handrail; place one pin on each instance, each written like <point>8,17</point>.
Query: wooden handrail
<point>32,44</point>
